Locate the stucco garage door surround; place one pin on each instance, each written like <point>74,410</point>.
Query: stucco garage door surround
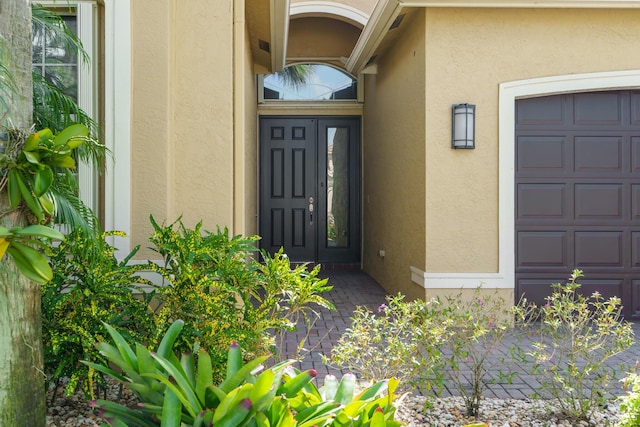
<point>577,193</point>
<point>509,92</point>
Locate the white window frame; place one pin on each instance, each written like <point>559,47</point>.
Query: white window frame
<point>117,110</point>
<point>86,15</point>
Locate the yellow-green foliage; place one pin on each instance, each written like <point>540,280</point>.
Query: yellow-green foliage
<point>89,286</point>
<point>223,295</point>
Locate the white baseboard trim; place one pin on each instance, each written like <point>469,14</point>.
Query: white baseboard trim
<point>460,280</point>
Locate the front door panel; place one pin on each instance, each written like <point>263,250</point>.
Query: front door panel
<point>309,188</point>
<point>287,181</point>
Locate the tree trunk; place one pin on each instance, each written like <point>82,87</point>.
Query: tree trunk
<point>22,394</point>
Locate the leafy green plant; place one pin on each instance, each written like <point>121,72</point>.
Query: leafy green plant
<point>474,327</point>
<point>630,403</point>
<point>32,163</point>
<point>574,336</point>
<point>400,341</point>
<point>223,295</point>
<point>180,391</point>
<point>89,286</point>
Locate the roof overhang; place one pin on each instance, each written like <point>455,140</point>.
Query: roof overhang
<point>268,27</point>
<point>386,11</point>
<point>279,33</point>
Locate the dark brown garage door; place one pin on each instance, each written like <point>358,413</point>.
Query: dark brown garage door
<point>578,194</point>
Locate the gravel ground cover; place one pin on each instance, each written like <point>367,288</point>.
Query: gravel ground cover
<point>74,411</point>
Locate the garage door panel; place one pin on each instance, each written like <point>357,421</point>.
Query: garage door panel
<point>542,201</point>
<point>546,110</point>
<point>635,202</point>
<point>598,154</point>
<point>606,287</point>
<point>635,297</point>
<point>542,248</point>
<point>599,249</point>
<point>578,194</point>
<point>598,109</point>
<point>635,155</point>
<point>635,108</point>
<point>541,154</point>
<point>537,289</point>
<point>598,201</point>
<point>635,249</point>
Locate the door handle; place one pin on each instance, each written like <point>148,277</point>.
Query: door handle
<point>310,210</point>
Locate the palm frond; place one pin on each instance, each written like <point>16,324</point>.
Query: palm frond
<point>54,110</point>
<point>70,211</point>
<point>49,24</point>
<point>296,75</point>
<point>8,88</point>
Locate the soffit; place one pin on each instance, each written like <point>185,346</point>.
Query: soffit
<point>321,40</point>
<point>377,35</point>
<point>267,23</point>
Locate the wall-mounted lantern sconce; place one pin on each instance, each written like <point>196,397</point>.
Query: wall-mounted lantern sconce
<point>463,126</point>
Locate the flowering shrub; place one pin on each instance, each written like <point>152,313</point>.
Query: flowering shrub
<point>574,336</point>
<point>475,327</point>
<point>423,343</point>
<point>400,340</point>
<point>630,404</point>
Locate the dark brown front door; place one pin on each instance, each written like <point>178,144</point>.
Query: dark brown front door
<point>578,194</point>
<point>309,188</point>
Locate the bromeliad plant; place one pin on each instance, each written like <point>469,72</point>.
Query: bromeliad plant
<point>31,165</point>
<point>181,392</point>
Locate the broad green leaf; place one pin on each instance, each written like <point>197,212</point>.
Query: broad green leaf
<point>70,132</point>
<point>32,142</point>
<point>39,230</point>
<point>13,188</point>
<point>31,202</point>
<point>63,162</point>
<point>43,180</point>
<point>30,262</point>
<point>47,204</point>
<point>32,157</point>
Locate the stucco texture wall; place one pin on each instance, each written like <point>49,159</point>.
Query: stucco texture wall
<point>393,164</point>
<point>469,52</point>
<point>182,113</point>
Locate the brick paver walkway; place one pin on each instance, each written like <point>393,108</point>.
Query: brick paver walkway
<point>351,289</point>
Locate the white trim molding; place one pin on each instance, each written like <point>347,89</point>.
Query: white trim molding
<point>509,93</point>
<point>118,122</point>
<point>319,8</point>
<point>279,33</point>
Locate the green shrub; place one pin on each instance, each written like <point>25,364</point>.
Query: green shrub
<point>399,341</point>
<point>630,404</point>
<point>223,295</point>
<point>89,286</point>
<point>424,343</point>
<point>574,336</point>
<point>181,392</point>
<point>474,328</point>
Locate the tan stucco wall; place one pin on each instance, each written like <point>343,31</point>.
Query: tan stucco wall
<point>433,207</point>
<point>182,114</point>
<point>393,164</point>
<point>469,53</point>
<point>320,37</point>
